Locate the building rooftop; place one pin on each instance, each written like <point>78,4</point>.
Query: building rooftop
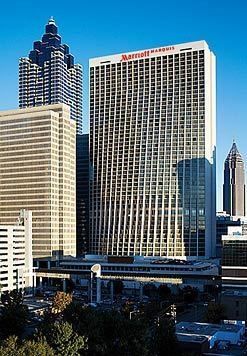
<point>30,110</point>
<point>192,338</point>
<point>204,329</point>
<point>234,293</point>
<point>234,237</point>
<point>137,260</point>
<point>149,52</point>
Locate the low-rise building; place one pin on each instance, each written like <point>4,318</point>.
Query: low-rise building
<point>229,332</point>
<point>200,274</point>
<point>225,221</point>
<point>235,303</point>
<point>234,259</point>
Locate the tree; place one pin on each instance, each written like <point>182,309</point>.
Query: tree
<point>150,311</point>
<point>62,338</point>
<point>164,292</point>
<point>118,286</point>
<point>11,347</point>
<point>164,341</point>
<point>14,314</point>
<point>60,302</point>
<point>149,289</point>
<point>215,313</point>
<point>108,332</point>
<point>70,286</point>
<point>111,333</point>
<point>190,294</point>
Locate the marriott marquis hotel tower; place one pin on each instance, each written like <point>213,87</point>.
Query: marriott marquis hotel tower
<point>152,145</point>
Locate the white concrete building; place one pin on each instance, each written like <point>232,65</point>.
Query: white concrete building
<point>152,148</point>
<point>16,263</point>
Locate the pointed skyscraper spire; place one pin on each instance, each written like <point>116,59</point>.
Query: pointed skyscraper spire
<point>234,183</point>
<point>50,76</point>
<point>51,27</point>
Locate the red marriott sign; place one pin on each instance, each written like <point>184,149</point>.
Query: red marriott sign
<point>145,54</point>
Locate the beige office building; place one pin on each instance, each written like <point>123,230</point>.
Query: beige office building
<point>152,148</point>
<point>37,172</point>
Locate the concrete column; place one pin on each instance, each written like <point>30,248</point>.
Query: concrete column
<point>141,291</point>
<point>112,290</point>
<point>33,283</point>
<point>91,288</point>
<point>64,285</point>
<point>98,295</point>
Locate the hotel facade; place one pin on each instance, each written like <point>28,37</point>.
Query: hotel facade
<point>37,172</point>
<point>152,149</point>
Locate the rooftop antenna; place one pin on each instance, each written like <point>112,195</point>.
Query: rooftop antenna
<point>51,21</point>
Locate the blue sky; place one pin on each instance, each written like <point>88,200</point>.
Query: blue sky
<point>96,28</point>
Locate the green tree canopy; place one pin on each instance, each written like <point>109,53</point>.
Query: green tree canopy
<point>164,341</point>
<point>62,338</point>
<point>11,347</point>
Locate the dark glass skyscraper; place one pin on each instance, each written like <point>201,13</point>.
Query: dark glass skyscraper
<point>49,75</point>
<point>234,183</point>
<point>82,193</point>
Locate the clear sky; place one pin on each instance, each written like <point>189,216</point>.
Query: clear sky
<point>97,28</point>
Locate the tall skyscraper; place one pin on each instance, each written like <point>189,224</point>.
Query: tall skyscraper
<point>82,193</point>
<point>37,172</point>
<point>49,75</point>
<point>234,183</point>
<point>152,147</point>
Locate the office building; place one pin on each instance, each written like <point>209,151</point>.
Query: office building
<point>234,183</point>
<point>82,193</point>
<point>235,305</point>
<point>49,76</point>
<point>152,148</point>
<point>234,249</point>
<point>16,263</point>
<point>37,172</point>
<point>223,222</point>
<point>234,258</point>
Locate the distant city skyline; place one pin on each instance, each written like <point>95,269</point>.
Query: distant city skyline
<point>96,30</point>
